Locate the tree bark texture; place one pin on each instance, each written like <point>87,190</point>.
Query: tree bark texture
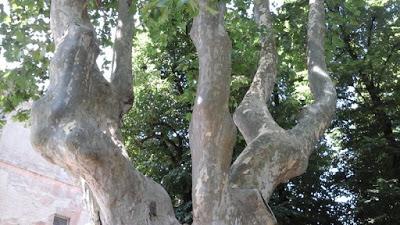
<point>238,193</point>
<point>76,124</point>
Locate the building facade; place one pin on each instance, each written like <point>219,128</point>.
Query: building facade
<point>33,191</point>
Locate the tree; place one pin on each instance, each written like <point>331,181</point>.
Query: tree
<point>76,123</point>
<point>366,47</point>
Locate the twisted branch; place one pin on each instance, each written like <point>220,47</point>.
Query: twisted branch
<point>274,155</point>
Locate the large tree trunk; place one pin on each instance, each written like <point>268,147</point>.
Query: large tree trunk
<point>76,123</point>
<point>238,193</point>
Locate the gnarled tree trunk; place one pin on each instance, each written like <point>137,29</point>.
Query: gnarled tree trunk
<point>238,193</point>
<point>76,123</point>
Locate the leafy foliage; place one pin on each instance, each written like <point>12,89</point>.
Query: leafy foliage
<point>24,42</point>
<point>365,42</point>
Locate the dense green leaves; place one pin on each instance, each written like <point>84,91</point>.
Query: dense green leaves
<point>25,45</point>
<point>367,43</point>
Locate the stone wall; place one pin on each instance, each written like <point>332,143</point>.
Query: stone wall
<point>33,191</point>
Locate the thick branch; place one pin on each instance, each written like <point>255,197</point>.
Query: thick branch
<point>122,78</point>
<point>257,166</point>
<point>212,132</point>
<point>264,79</point>
<point>317,117</point>
<point>252,116</point>
<point>274,155</point>
<point>65,13</point>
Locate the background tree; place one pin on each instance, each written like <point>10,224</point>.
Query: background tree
<point>367,45</point>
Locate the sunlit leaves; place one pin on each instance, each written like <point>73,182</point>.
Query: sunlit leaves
<point>24,43</point>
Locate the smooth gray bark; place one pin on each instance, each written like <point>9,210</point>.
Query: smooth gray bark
<point>76,124</point>
<point>273,155</point>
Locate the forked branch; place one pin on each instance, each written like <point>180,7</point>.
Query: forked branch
<point>252,116</point>
<point>75,124</point>
<point>317,116</point>
<point>274,155</point>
